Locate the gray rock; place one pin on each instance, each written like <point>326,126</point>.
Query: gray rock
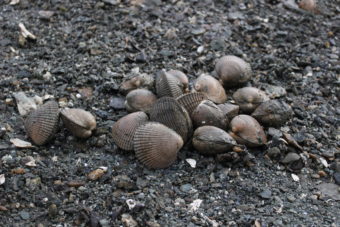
<point>24,215</point>
<point>266,194</point>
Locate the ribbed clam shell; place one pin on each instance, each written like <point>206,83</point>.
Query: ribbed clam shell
<point>42,123</point>
<point>249,98</point>
<point>211,140</point>
<point>230,110</point>
<point>156,145</point>
<point>124,129</point>
<point>208,113</point>
<point>273,113</point>
<point>168,85</point>
<point>211,87</point>
<point>191,100</point>
<point>79,122</point>
<point>246,130</point>
<point>169,112</point>
<point>232,71</point>
<point>140,100</point>
<point>181,77</point>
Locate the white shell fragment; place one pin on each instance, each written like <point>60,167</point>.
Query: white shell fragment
<point>192,162</point>
<point>195,204</point>
<point>21,143</point>
<point>2,179</point>
<point>24,104</point>
<point>295,177</point>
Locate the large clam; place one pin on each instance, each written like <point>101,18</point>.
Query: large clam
<point>79,122</point>
<point>246,130</point>
<point>191,100</point>
<point>249,98</point>
<point>156,145</point>
<point>42,123</point>
<point>139,100</point>
<point>211,87</point>
<point>168,85</point>
<point>124,129</point>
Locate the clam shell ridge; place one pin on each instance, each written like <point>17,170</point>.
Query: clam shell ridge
<point>191,100</point>
<point>211,87</point>
<point>42,124</point>
<point>156,145</point>
<point>181,77</point>
<point>79,122</point>
<point>168,85</point>
<point>124,129</point>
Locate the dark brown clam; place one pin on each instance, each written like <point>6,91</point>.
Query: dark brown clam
<point>156,145</point>
<point>230,110</point>
<point>124,129</point>
<point>168,85</point>
<point>79,122</point>
<point>211,87</point>
<point>232,71</point>
<point>169,112</point>
<point>140,100</point>
<point>249,98</point>
<point>273,113</point>
<point>246,130</point>
<point>208,113</point>
<point>181,77</point>
<point>42,123</point>
<point>136,81</point>
<point>211,140</point>
<point>191,100</point>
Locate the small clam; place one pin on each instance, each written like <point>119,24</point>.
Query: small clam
<point>246,130</point>
<point>208,113</point>
<point>230,110</point>
<point>79,122</point>
<point>139,100</point>
<point>124,129</point>
<point>249,98</point>
<point>181,77</point>
<point>136,81</point>
<point>168,85</point>
<point>211,140</point>
<point>273,113</point>
<point>232,71</point>
<point>156,145</point>
<point>211,87</point>
<point>42,123</point>
<point>191,100</point>
<point>169,112</point>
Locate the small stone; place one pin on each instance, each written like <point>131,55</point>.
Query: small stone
<point>186,187</point>
<point>330,189</point>
<point>274,153</point>
<point>315,176</point>
<point>75,183</point>
<point>291,157</point>
<point>291,198</point>
<point>24,215</point>
<point>96,174</point>
<point>265,194</point>
<point>52,210</point>
<point>124,182</point>
<point>273,132</point>
<point>117,103</point>
<point>128,221</point>
<point>104,223</point>
<point>152,224</point>
<point>336,177</point>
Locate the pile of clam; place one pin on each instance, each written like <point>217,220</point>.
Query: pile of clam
<point>161,123</point>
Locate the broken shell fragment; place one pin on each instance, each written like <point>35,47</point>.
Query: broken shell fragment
<point>156,145</point>
<point>42,123</point>
<point>273,113</point>
<point>229,110</point>
<point>246,130</point>
<point>136,81</point>
<point>249,98</point>
<point>191,100</point>
<point>232,71</point>
<point>211,87</point>
<point>124,129</point>
<point>139,100</point>
<point>208,113</point>
<point>168,85</point>
<point>79,122</point>
<point>181,77</point>
<point>211,140</point>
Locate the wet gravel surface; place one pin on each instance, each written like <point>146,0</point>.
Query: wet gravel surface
<point>83,50</point>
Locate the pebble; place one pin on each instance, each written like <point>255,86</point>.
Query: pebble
<point>128,221</point>
<point>291,157</point>
<point>104,223</point>
<point>291,198</point>
<point>336,177</point>
<point>117,103</point>
<point>186,187</point>
<point>24,215</point>
<point>266,194</point>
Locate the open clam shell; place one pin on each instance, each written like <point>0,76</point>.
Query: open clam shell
<point>42,123</point>
<point>191,100</point>
<point>273,113</point>
<point>230,110</point>
<point>140,100</point>
<point>211,87</point>
<point>246,130</point>
<point>249,98</point>
<point>181,77</point>
<point>169,112</point>
<point>79,122</point>
<point>208,113</point>
<point>232,71</point>
<point>168,85</point>
<point>211,140</point>
<point>156,145</point>
<point>124,129</point>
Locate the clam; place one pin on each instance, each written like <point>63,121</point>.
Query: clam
<point>273,113</point>
<point>139,100</point>
<point>211,140</point>
<point>249,98</point>
<point>168,85</point>
<point>156,145</point>
<point>232,71</point>
<point>169,112</point>
<point>124,129</point>
<point>246,130</point>
<point>211,87</point>
<point>181,77</point>
<point>208,113</point>
<point>230,110</point>
<point>42,123</point>
<point>79,122</point>
<point>136,81</point>
<point>191,100</point>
